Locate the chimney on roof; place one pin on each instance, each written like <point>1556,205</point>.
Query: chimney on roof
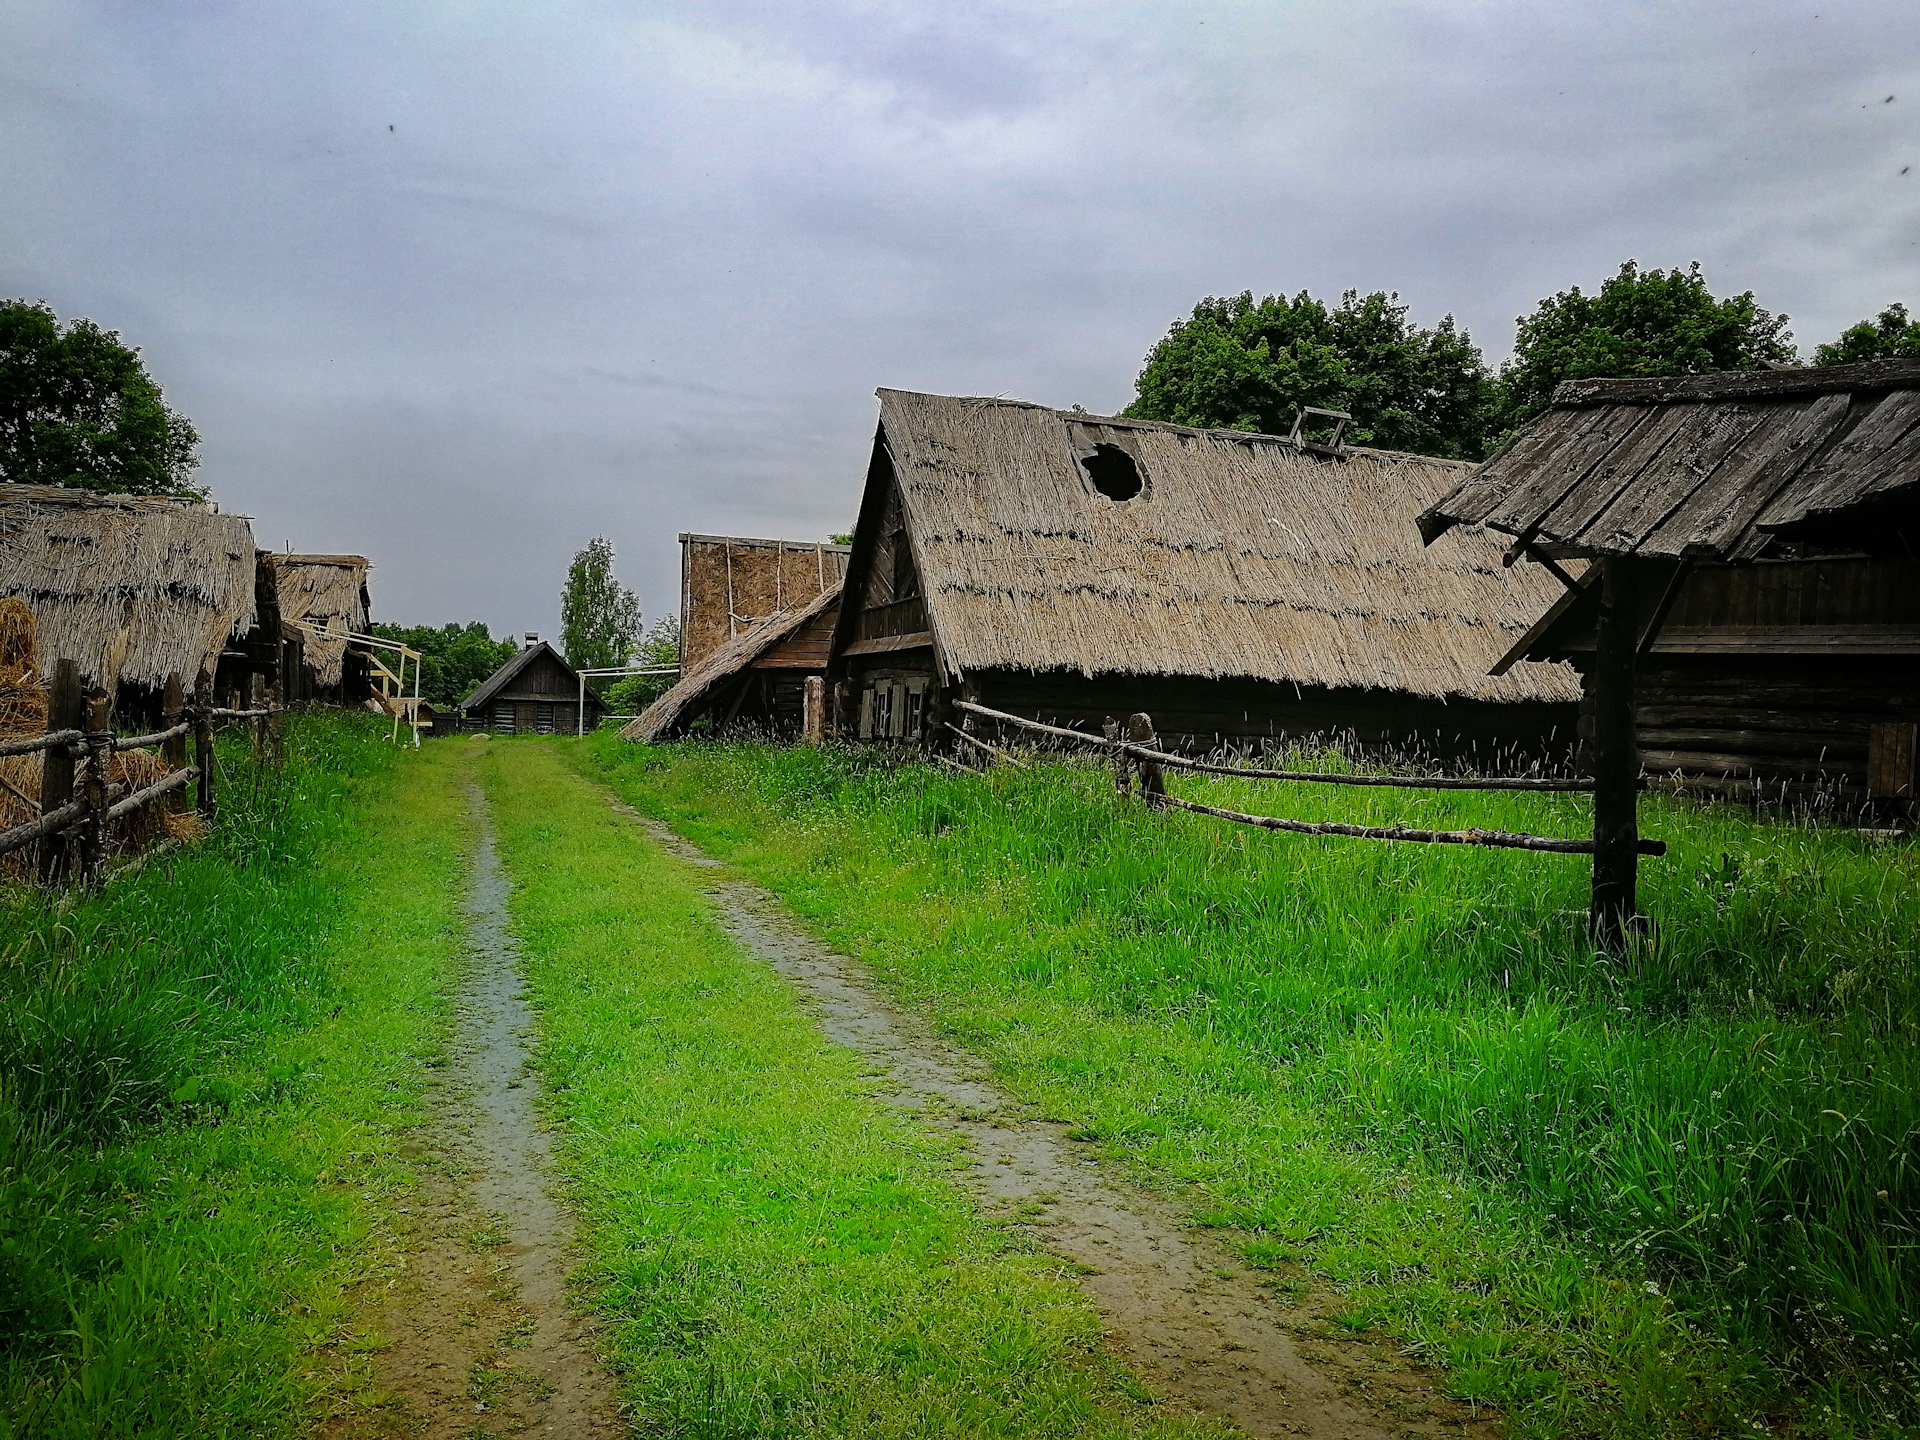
<point>531,639</point>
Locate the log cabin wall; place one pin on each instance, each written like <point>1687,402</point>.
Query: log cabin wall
<point>1791,672</point>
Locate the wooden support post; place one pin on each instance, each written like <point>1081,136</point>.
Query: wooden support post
<point>203,745</point>
<point>813,710</point>
<point>1153,783</point>
<point>174,752</point>
<point>66,710</point>
<point>277,723</point>
<point>1122,762</point>
<point>93,784</point>
<point>257,727</point>
<point>1616,757</point>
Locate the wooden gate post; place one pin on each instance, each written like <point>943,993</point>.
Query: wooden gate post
<point>1616,757</point>
<point>174,752</point>
<point>65,711</point>
<point>277,723</point>
<point>203,744</point>
<point>93,825</point>
<point>257,726</point>
<point>813,710</point>
<point>1153,783</point>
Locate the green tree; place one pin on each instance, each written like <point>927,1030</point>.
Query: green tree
<point>1242,364</point>
<point>631,694</point>
<point>1891,337</point>
<point>453,658</point>
<point>77,408</point>
<point>599,617</point>
<point>1642,322</point>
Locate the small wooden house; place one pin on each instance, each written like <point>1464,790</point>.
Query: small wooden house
<point>758,679</point>
<point>323,599</point>
<point>134,589</point>
<point>534,693</point>
<point>729,585</point>
<point>1068,567</point>
<point>1762,534</point>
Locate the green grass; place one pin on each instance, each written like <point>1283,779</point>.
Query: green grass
<point>1667,1193</point>
<point>780,1253</point>
<point>204,1070</point>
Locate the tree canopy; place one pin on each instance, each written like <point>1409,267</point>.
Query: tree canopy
<point>599,617</point>
<point>630,694</point>
<point>1642,322</point>
<point>454,658</point>
<point>1892,336</point>
<point>1242,364</point>
<point>78,408</point>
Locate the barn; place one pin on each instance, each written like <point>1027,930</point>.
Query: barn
<point>323,599</point>
<point>1760,535</point>
<point>1068,567</point>
<point>758,679</point>
<point>730,584</point>
<point>535,693</point>
<point>135,589</point>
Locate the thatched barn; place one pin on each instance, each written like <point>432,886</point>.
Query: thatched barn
<point>1763,531</point>
<point>535,693</point>
<point>757,679</point>
<point>322,599</point>
<point>1070,567</point>
<point>134,589</point>
<point>729,584</point>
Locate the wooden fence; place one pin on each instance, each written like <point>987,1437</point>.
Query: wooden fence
<point>79,804</point>
<point>1136,755</point>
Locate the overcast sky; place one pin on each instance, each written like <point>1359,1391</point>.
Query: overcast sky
<point>460,285</point>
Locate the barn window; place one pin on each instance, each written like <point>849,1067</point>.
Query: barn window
<point>1113,472</point>
<point>916,706</point>
<point>866,713</point>
<point>503,719</point>
<point>543,720</point>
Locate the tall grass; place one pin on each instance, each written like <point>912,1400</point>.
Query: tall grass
<point>1727,1113</point>
<point>173,1099</point>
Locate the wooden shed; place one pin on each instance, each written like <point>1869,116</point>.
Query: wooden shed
<point>1070,567</point>
<point>134,589</point>
<point>322,599</point>
<point>729,585</point>
<point>535,693</point>
<point>757,679</point>
<point>1766,533</point>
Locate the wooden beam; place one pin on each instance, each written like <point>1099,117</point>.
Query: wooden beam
<point>887,644</point>
<point>1740,385</point>
<point>1615,756</point>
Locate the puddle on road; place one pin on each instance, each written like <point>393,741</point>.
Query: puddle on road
<point>1181,1310</point>
<point>480,1339</point>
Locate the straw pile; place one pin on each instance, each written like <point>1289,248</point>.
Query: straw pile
<point>23,712</point>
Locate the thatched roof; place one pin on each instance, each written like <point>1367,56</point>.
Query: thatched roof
<point>324,595</point>
<point>132,588</point>
<point>1245,556</point>
<point>1702,466</point>
<point>696,687</point>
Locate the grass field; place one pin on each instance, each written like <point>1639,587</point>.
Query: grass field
<point>1671,1193</point>
<point>203,1070</point>
<point>779,1253</point>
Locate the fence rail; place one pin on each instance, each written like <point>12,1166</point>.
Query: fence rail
<point>77,800</point>
<point>1131,754</point>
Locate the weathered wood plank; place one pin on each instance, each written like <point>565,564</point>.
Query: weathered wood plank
<point>1744,385</point>
<point>1689,463</point>
<point>1846,472</point>
<point>1639,461</point>
<point>1562,473</point>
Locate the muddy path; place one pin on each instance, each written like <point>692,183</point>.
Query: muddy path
<point>476,1336</point>
<point>1181,1309</point>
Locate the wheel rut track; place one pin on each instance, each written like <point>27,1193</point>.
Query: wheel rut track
<point>1181,1310</point>
<point>479,1337</point>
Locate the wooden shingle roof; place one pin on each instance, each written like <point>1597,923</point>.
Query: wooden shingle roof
<point>1706,466</point>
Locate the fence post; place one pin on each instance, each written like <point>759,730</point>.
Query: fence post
<point>813,710</point>
<point>1616,758</point>
<point>93,824</point>
<point>257,726</point>
<point>1153,784</point>
<point>173,752</point>
<point>203,744</point>
<point>1122,762</point>
<point>65,711</point>
<point>276,724</point>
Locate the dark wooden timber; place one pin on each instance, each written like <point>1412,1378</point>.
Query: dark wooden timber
<point>1153,781</point>
<point>1740,385</point>
<point>174,751</point>
<point>1492,839</point>
<point>93,783</point>
<point>65,714</point>
<point>173,783</point>
<point>1614,756</point>
<point>208,803</point>
<point>42,742</point>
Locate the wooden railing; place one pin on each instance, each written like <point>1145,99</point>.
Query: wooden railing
<point>1136,756</point>
<point>78,801</point>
